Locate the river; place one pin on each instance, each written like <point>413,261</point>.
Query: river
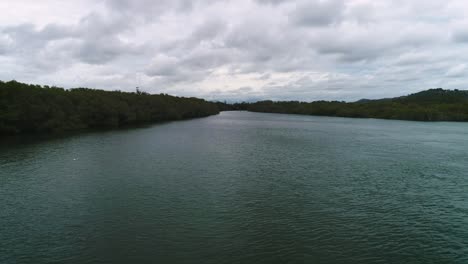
<point>239,187</point>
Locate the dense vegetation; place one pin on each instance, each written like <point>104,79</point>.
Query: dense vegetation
<point>430,105</point>
<point>28,108</point>
<point>33,109</point>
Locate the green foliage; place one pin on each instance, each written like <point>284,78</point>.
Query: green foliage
<point>430,105</point>
<point>34,109</point>
<point>28,108</point>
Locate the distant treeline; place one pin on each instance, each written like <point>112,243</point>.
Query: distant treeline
<point>28,108</point>
<point>430,105</point>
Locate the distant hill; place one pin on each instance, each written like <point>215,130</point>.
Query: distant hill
<point>436,96</point>
<point>28,108</point>
<point>430,105</point>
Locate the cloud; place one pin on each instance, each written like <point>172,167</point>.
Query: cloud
<point>163,66</point>
<point>209,30</point>
<point>27,37</point>
<point>100,50</point>
<point>272,2</point>
<point>461,34</point>
<point>5,43</point>
<point>318,12</point>
<point>239,50</point>
<point>457,71</point>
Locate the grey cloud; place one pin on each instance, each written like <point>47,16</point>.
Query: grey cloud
<point>163,66</point>
<point>279,49</point>
<point>207,59</point>
<point>54,31</point>
<point>195,66</point>
<point>245,93</point>
<point>413,58</point>
<point>349,47</point>
<point>97,25</point>
<point>94,39</point>
<point>99,39</point>
<point>318,12</point>
<point>346,53</point>
<point>168,71</point>
<point>5,43</point>
<point>362,12</point>
<point>26,37</point>
<point>457,71</point>
<point>272,2</point>
<point>209,30</point>
<point>265,76</point>
<point>461,35</point>
<point>247,47</point>
<point>30,47</point>
<point>243,89</point>
<point>356,44</point>
<point>151,10</point>
<point>260,41</point>
<point>100,51</point>
<point>145,7</point>
<point>206,34</point>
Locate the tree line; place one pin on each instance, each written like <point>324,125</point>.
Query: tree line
<point>430,105</point>
<point>26,108</point>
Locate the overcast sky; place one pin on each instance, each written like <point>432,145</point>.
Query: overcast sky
<point>240,49</point>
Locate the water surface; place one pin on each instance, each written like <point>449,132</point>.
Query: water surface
<point>239,187</point>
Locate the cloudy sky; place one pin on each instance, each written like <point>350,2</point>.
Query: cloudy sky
<point>238,49</point>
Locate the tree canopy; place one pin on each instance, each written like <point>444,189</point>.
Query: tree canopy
<point>430,105</point>
<point>26,108</point>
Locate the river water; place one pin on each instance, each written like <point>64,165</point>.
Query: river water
<point>239,187</point>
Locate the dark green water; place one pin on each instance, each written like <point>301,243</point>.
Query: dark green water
<point>239,188</point>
